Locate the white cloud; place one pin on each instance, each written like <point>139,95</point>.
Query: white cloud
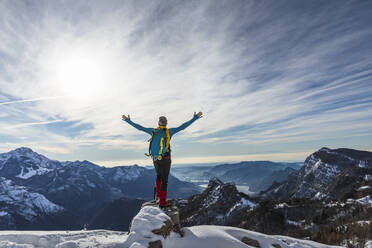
<point>241,67</point>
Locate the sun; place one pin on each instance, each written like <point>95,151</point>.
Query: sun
<point>74,69</point>
<point>79,73</point>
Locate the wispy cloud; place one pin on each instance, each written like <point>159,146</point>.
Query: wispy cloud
<point>32,124</point>
<point>264,73</point>
<point>31,100</point>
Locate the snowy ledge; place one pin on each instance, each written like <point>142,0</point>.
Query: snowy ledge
<point>152,227</point>
<point>146,224</point>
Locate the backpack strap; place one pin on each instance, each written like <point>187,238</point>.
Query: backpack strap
<point>161,148</point>
<point>150,140</point>
<point>168,139</point>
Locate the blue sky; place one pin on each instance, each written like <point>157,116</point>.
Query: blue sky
<point>276,80</point>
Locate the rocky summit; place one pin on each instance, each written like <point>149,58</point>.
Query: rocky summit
<point>217,204</point>
<point>329,200</point>
<point>326,174</point>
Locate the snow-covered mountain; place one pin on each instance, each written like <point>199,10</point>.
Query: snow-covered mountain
<point>23,208</point>
<point>81,187</point>
<point>151,227</point>
<point>326,173</point>
<point>19,199</point>
<point>24,163</point>
<point>219,204</point>
<point>345,221</point>
<point>84,188</point>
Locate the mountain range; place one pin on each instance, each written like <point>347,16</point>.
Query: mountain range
<point>257,175</point>
<point>326,174</point>
<point>329,200</point>
<point>80,189</point>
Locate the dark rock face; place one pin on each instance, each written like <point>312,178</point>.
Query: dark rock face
<point>251,242</point>
<point>116,215</point>
<point>326,174</point>
<point>155,244</point>
<point>275,176</point>
<point>23,209</point>
<point>301,218</point>
<point>76,187</point>
<point>219,203</point>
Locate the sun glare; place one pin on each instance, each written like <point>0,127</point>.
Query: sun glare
<point>79,74</point>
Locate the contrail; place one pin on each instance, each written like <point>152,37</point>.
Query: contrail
<point>32,100</point>
<point>32,124</point>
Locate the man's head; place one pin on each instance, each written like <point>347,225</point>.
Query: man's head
<point>162,121</point>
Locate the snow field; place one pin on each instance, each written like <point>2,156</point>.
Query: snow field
<point>62,239</point>
<point>148,219</point>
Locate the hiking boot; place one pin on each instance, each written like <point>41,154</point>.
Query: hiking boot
<point>163,199</point>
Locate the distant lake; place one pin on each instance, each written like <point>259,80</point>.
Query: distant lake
<point>241,188</point>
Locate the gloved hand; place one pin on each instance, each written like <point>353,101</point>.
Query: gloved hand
<point>200,114</point>
<point>123,117</point>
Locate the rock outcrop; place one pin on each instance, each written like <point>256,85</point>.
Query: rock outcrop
<point>218,204</point>
<point>152,225</point>
<point>326,174</point>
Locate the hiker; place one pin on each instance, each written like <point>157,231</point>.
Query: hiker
<point>160,152</point>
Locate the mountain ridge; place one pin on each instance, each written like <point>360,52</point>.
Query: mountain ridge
<point>326,173</point>
<point>82,188</point>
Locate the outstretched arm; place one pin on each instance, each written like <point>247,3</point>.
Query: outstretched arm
<point>135,125</point>
<point>186,124</point>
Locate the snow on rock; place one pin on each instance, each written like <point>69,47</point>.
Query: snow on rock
<point>367,177</point>
<point>195,237</point>
<point>150,225</point>
<point>322,172</point>
<point>241,204</point>
<point>128,173</point>
<point>362,164</point>
<point>149,218</point>
<point>26,163</point>
<point>293,223</point>
<point>29,172</point>
<point>209,236</point>
<point>319,196</point>
<point>28,203</point>
<point>212,197</point>
<point>368,244</point>
<point>205,236</point>
<point>62,239</point>
<point>335,204</point>
<point>282,205</point>
<point>365,200</point>
<point>363,188</point>
<point>3,213</point>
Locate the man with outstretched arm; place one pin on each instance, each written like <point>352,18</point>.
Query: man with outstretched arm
<point>160,152</point>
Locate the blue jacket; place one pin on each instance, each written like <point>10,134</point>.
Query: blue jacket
<point>159,134</point>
